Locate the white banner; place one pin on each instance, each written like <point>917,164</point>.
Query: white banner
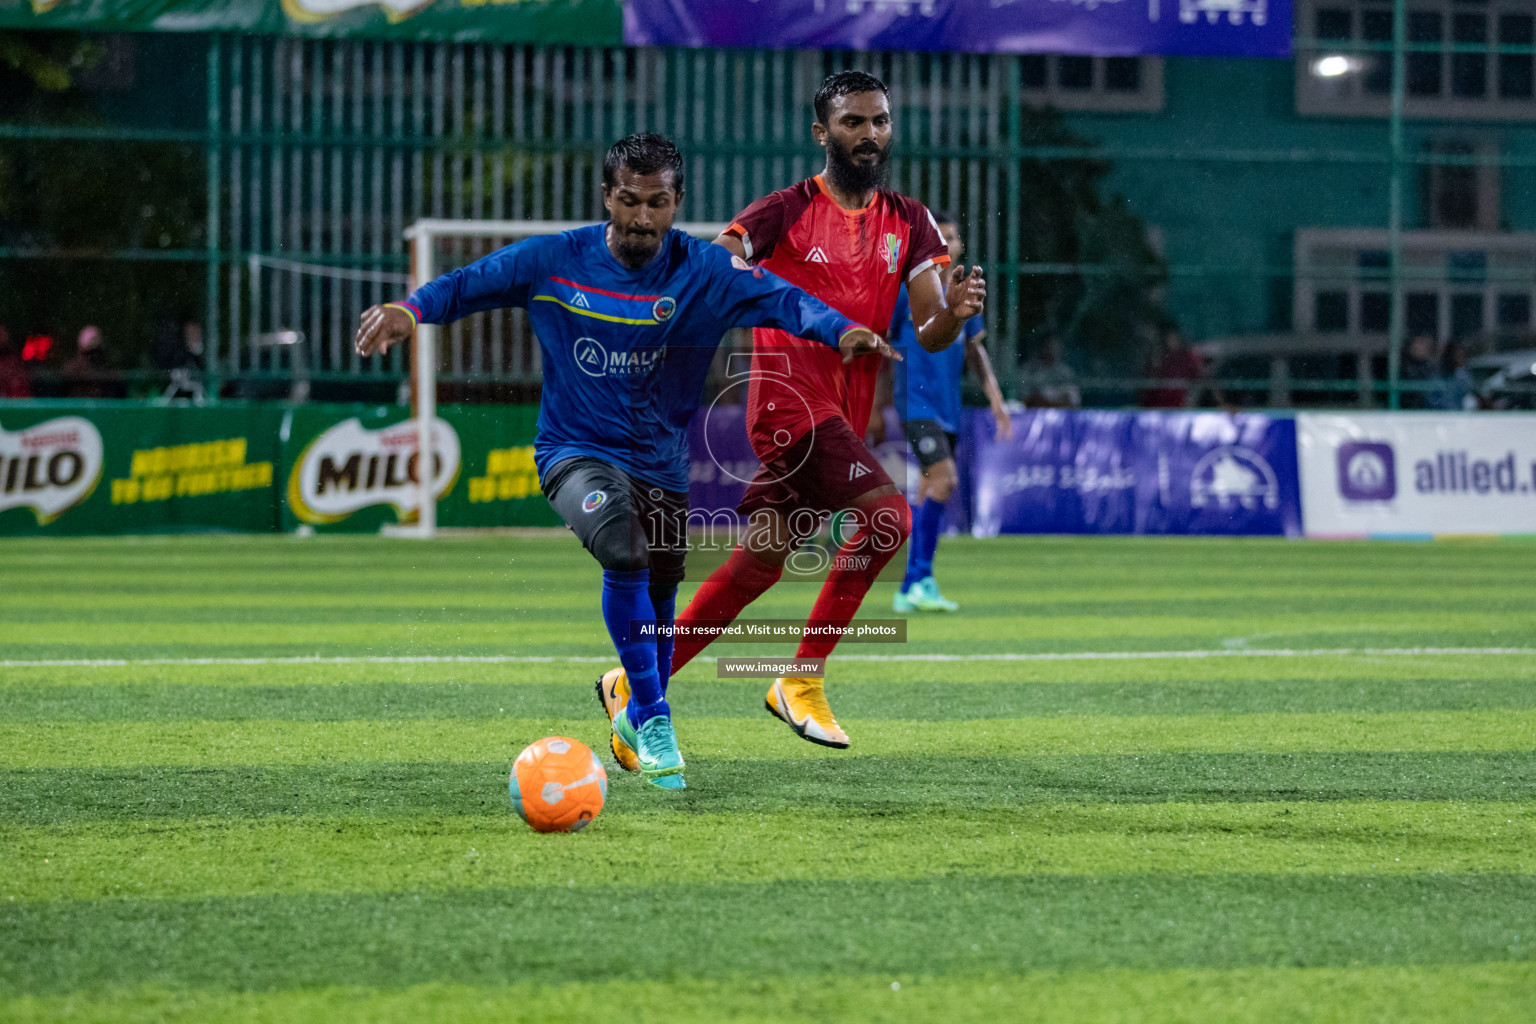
<point>50,467</point>
<point>350,467</point>
<point>1416,474</point>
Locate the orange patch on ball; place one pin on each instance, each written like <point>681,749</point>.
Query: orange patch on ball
<point>558,784</point>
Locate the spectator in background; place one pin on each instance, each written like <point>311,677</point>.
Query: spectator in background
<point>178,349</point>
<point>1417,368</point>
<point>14,382</point>
<point>1047,382</point>
<point>85,374</point>
<point>1175,363</point>
<point>1456,391</point>
<point>178,345</point>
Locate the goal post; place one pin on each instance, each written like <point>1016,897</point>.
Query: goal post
<point>426,347</point>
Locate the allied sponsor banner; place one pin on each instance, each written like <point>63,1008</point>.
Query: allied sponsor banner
<point>1127,472</point>
<point>89,468</point>
<point>1409,473</point>
<point>355,468</point>
<point>1233,28</point>
<point>571,22</point>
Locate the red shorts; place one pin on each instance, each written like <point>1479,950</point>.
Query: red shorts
<point>822,472</point>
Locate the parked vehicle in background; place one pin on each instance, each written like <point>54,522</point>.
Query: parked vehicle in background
<point>1505,380</point>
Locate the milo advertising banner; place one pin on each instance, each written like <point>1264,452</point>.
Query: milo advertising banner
<point>572,22</point>
<point>123,467</point>
<point>49,467</point>
<point>357,469</point>
<point>92,468</point>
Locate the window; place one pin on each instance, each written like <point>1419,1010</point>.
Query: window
<point>1424,68</point>
<point>1423,314</point>
<point>1477,287</point>
<point>1375,312</point>
<point>1469,71</point>
<point>1514,311</point>
<point>1074,72</point>
<point>1331,314</point>
<point>1460,186</point>
<point>1035,72</point>
<point>1344,71</point>
<point>1130,84</point>
<point>1122,74</point>
<point>1466,315</point>
<point>1515,69</point>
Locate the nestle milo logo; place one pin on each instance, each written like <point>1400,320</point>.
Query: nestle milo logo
<point>349,467</point>
<point>50,467</point>
<point>312,11</point>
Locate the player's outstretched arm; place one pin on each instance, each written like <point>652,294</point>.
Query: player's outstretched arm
<point>732,244</point>
<point>496,281</point>
<point>941,312</point>
<point>860,341</point>
<point>383,326</point>
<point>748,296</point>
<point>977,350</point>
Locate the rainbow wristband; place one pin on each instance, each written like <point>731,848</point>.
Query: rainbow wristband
<point>415,320</point>
<point>847,331</point>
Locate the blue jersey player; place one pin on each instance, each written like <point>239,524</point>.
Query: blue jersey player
<point>628,315</point>
<point>927,396</point>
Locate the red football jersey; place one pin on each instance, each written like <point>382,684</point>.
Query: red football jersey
<point>853,260</point>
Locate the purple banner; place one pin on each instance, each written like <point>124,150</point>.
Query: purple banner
<point>722,462</point>
<point>1066,472</point>
<point>1127,472</point>
<point>1108,28</point>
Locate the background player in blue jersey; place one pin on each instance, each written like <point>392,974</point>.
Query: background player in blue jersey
<point>927,396</point>
<point>628,315</point>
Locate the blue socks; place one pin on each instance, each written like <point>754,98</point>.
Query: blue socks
<point>924,542</point>
<point>626,598</point>
<point>664,601</point>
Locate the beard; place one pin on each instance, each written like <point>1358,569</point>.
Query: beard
<point>636,250</point>
<point>847,174</point>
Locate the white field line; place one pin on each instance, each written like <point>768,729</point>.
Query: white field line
<point>531,659</point>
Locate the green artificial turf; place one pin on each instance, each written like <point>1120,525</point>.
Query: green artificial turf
<point>1344,832</point>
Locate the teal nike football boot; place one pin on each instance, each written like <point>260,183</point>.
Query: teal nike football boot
<point>925,597</point>
<point>655,746</point>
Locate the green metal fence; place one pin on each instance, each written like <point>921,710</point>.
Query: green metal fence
<point>319,153</point>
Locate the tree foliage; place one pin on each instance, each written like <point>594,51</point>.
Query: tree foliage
<point>75,201</point>
<point>1105,305</point>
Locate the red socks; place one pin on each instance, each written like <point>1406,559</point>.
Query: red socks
<point>729,589</point>
<point>887,521</point>
<point>885,524</point>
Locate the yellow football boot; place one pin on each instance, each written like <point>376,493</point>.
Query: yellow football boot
<point>613,692</point>
<point>801,704</point>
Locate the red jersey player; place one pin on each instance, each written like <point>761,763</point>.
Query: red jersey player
<point>851,243</point>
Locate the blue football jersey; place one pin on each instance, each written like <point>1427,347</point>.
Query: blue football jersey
<point>626,351</point>
<point>927,384</point>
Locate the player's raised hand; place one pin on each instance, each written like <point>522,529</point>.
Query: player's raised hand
<point>862,340</point>
<point>381,327</point>
<point>967,292</point>
<point>1004,421</point>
